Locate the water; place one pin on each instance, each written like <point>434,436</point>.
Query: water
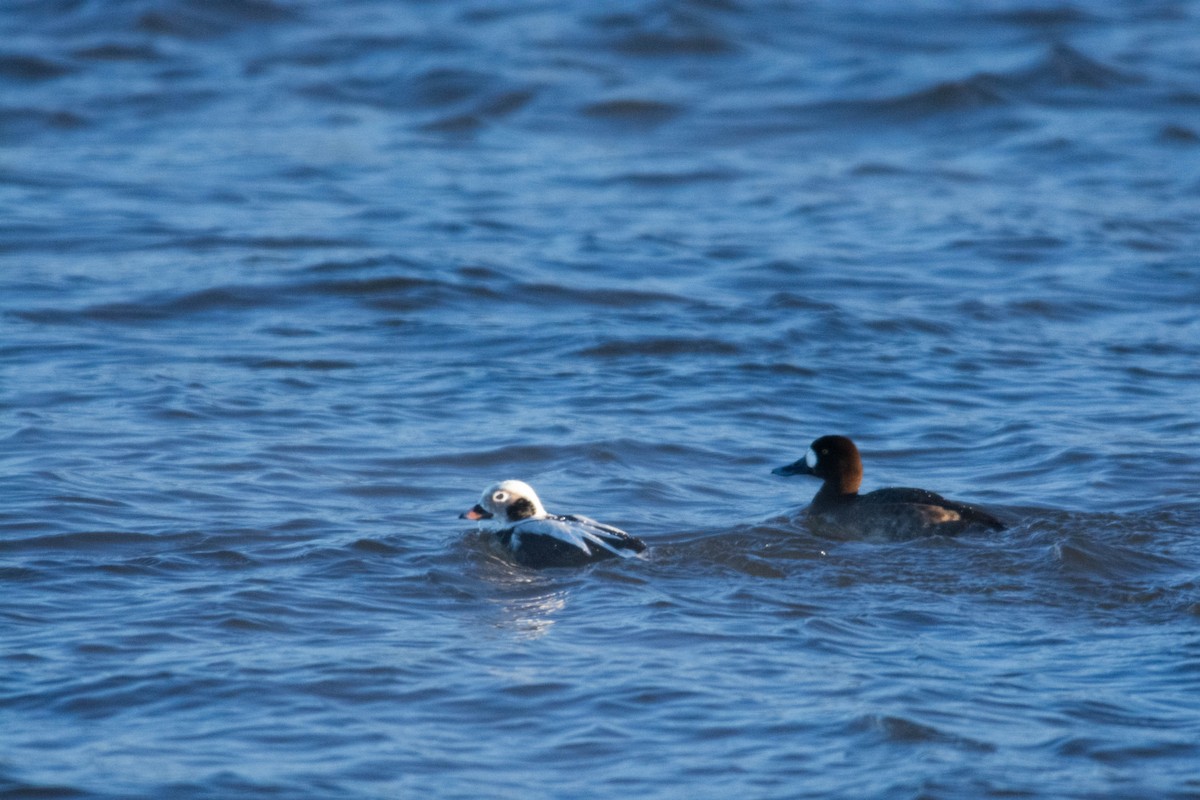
<point>283,286</point>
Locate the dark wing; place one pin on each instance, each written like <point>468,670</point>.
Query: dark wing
<point>541,550</point>
<point>968,514</point>
<point>614,539</point>
<point>567,541</point>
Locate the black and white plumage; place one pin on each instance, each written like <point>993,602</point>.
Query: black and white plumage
<point>894,513</point>
<point>512,511</point>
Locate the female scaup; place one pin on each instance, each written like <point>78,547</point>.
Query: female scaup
<point>894,513</point>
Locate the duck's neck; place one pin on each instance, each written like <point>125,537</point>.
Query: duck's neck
<point>833,493</point>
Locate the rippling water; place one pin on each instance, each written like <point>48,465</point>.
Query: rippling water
<point>284,285</point>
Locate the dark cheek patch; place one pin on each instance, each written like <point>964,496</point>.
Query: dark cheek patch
<point>519,509</point>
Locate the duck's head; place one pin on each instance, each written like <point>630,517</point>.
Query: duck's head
<point>506,502</point>
<point>833,459</point>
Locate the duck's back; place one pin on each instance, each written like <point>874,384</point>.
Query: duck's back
<point>567,541</point>
<point>539,550</point>
<point>965,511</point>
<point>902,513</point>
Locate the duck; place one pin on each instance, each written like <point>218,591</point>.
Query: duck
<point>512,512</point>
<point>894,513</point>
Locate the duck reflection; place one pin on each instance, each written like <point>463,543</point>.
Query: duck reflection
<point>531,616</point>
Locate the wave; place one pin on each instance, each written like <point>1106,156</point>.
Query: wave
<point>629,111</point>
<point>656,346</point>
<point>31,68</point>
<point>1062,75</point>
<point>404,291</point>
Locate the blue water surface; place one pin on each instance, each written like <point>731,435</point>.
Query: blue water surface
<point>284,285</point>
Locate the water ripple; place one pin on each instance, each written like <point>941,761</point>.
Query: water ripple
<point>286,285</point>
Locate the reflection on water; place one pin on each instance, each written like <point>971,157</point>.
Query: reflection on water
<point>525,603</point>
<point>531,617</point>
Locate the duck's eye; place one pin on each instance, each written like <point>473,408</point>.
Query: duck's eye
<point>500,497</point>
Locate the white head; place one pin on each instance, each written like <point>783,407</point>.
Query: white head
<point>506,502</point>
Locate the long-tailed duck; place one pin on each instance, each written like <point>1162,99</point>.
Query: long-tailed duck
<point>513,512</point>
